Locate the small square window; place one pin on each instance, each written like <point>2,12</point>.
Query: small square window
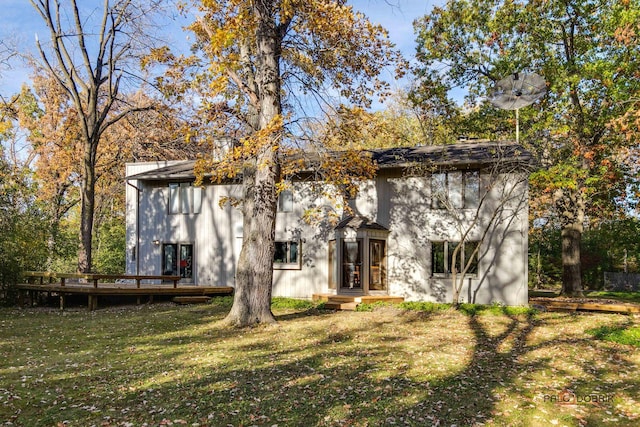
<point>285,201</point>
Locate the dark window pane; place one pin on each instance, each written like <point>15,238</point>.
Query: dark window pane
<point>280,256</point>
<point>170,259</point>
<point>351,265</point>
<point>437,257</point>
<point>186,261</point>
<point>293,252</point>
<point>471,259</point>
<point>451,247</point>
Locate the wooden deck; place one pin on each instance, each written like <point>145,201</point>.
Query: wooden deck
<point>348,302</point>
<point>94,286</point>
<point>603,307</point>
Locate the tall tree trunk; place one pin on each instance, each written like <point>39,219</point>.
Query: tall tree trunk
<point>571,269</point>
<point>254,274</point>
<point>87,209</point>
<point>573,215</point>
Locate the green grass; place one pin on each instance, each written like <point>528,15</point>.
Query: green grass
<point>621,296</point>
<point>618,334</point>
<point>291,303</point>
<point>163,364</point>
<point>469,309</point>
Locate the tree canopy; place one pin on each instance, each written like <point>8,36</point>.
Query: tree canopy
<point>261,64</point>
<point>587,52</point>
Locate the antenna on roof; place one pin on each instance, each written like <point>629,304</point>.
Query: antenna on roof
<point>516,91</point>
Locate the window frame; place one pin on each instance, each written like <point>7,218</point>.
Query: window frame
<point>448,247</point>
<point>288,265</point>
<point>184,198</point>
<point>464,199</point>
<point>285,201</point>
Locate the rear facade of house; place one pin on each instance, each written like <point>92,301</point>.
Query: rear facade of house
<point>399,238</point>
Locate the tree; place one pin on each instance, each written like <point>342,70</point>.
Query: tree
<point>93,64</point>
<point>264,61</point>
<point>587,52</point>
<point>52,138</point>
<point>22,222</point>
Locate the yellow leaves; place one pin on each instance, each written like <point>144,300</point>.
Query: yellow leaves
<point>5,126</point>
<point>161,55</point>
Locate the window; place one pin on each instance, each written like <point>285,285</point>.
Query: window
<point>377,265</point>
<point>285,201</point>
<point>442,258</point>
<point>352,264</point>
<point>177,259</point>
<point>184,198</point>
<point>287,254</point>
<point>456,189</point>
<point>333,267</point>
<point>471,189</point>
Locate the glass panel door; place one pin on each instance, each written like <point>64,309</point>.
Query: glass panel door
<point>170,259</point>
<point>186,261</point>
<point>177,260</point>
<point>352,265</point>
<point>333,267</point>
<point>377,265</point>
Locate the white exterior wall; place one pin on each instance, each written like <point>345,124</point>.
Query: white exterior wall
<point>402,204</point>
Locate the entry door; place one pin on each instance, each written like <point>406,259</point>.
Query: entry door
<point>177,259</point>
<point>352,265</point>
<point>377,265</point>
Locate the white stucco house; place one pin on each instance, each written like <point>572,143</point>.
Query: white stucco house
<point>398,239</point>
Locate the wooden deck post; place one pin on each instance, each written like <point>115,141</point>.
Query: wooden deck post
<point>92,302</point>
<point>62,301</point>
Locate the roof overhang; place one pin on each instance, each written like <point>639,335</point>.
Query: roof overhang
<point>454,156</point>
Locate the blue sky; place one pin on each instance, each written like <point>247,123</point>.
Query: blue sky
<point>19,22</point>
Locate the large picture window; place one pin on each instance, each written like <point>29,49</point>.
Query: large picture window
<point>442,258</point>
<point>455,189</point>
<point>184,198</point>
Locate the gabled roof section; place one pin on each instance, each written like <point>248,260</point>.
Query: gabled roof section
<point>359,223</point>
<point>454,155</point>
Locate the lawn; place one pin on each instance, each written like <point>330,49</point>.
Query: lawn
<point>177,365</point>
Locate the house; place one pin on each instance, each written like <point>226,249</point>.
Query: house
<point>398,239</point>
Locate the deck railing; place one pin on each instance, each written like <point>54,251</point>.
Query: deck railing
<point>52,277</point>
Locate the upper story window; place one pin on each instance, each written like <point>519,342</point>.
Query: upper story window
<point>285,201</point>
<point>455,189</point>
<point>184,198</point>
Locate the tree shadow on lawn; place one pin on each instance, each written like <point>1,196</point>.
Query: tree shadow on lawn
<point>342,369</point>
